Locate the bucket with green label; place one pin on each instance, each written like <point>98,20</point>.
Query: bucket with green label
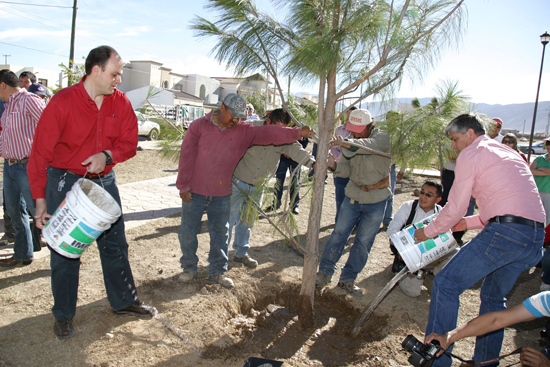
<point>87,211</point>
<point>418,255</point>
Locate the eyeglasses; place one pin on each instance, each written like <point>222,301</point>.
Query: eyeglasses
<point>427,194</point>
<point>508,141</point>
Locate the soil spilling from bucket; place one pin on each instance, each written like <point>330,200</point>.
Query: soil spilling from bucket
<point>274,332</point>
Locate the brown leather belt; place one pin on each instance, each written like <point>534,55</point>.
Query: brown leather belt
<point>11,161</point>
<point>382,184</point>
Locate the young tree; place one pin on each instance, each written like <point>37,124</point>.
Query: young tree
<point>342,45</point>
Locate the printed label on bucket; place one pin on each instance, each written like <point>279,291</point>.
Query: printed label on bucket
<point>418,255</point>
<point>67,234</point>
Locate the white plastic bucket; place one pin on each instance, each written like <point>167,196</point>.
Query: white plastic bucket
<point>418,255</point>
<point>87,211</point>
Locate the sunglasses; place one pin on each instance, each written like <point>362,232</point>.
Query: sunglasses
<point>426,194</point>
<point>508,141</point>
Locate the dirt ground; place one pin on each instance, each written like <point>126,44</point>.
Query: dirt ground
<point>204,324</point>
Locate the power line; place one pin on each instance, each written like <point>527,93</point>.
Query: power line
<point>48,6</point>
<point>33,49</point>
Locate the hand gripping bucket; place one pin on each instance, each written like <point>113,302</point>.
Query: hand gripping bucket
<point>417,256</point>
<point>87,211</point>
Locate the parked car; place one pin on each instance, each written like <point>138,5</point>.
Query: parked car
<point>537,148</point>
<point>147,128</point>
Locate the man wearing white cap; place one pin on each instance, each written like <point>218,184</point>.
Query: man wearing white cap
<point>365,202</point>
<point>495,126</point>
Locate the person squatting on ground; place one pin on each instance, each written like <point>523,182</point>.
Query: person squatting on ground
<point>258,163</point>
<point>533,307</point>
<point>365,200</point>
<point>84,131</point>
<point>414,211</point>
<point>511,215</point>
<point>18,127</point>
<point>210,151</point>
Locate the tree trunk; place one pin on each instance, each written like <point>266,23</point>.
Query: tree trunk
<point>306,310</point>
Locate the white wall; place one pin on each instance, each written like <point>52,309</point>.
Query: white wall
<point>137,97</point>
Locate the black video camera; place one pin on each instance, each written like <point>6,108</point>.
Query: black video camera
<point>422,355</point>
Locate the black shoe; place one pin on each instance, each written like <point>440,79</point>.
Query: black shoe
<point>138,309</point>
<point>13,263</point>
<point>271,208</point>
<point>295,211</point>
<point>63,329</point>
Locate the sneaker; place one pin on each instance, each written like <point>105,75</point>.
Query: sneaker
<point>186,277</point>
<point>295,211</point>
<point>322,280</point>
<point>63,329</point>
<point>350,287</point>
<point>222,280</point>
<point>247,261</point>
<point>7,238</point>
<point>545,287</point>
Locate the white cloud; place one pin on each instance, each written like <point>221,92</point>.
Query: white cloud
<point>133,31</point>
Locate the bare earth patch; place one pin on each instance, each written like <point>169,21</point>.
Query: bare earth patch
<point>203,324</point>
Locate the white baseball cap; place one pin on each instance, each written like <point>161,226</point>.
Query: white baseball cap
<point>358,120</point>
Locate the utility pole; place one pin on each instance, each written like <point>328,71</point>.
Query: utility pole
<point>524,127</point>
<point>6,59</point>
<point>71,53</point>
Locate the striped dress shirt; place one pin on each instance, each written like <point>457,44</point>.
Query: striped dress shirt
<point>19,122</point>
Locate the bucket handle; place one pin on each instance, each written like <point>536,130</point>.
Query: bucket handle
<point>100,180</point>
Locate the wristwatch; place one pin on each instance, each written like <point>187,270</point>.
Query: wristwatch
<point>109,160</point>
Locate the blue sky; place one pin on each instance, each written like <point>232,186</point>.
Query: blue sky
<point>497,62</point>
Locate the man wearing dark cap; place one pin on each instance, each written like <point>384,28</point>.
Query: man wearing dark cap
<point>38,89</point>
<point>18,126</point>
<point>210,151</point>
<point>87,129</point>
<point>365,201</point>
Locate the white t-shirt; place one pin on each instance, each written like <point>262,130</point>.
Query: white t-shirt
<point>402,214</point>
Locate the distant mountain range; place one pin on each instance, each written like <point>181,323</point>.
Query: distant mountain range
<point>513,115</point>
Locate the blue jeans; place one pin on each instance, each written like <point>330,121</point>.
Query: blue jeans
<point>389,203</point>
<point>498,254</point>
<point>240,204</point>
<point>340,184</point>
<point>367,217</point>
<point>217,211</point>
<point>113,252</point>
<point>290,165</point>
<point>17,194</point>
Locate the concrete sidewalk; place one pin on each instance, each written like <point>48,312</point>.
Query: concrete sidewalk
<point>141,202</point>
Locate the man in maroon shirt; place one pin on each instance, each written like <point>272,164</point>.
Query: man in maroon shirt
<point>210,151</point>
<point>84,131</point>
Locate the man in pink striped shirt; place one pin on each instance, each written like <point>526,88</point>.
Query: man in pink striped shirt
<point>18,122</point>
<point>512,218</point>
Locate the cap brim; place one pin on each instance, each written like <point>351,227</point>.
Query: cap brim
<point>355,128</point>
<point>237,114</point>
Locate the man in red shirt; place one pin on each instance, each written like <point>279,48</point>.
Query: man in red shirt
<point>18,125</point>
<point>85,130</point>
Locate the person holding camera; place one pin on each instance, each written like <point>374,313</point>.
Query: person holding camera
<point>511,216</point>
<point>532,308</point>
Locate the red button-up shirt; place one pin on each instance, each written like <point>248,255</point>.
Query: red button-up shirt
<point>72,129</point>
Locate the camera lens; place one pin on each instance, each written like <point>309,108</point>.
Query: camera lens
<point>409,343</point>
